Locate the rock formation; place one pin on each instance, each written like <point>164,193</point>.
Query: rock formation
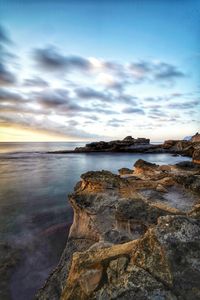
<point>141,145</point>
<point>134,236</point>
<point>196,137</point>
<point>128,143</point>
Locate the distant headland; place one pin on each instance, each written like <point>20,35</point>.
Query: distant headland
<point>129,144</point>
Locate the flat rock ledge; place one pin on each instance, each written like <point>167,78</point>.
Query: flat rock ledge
<point>135,235</point>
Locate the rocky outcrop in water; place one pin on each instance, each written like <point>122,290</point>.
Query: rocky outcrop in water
<point>134,236</point>
<point>142,145</point>
<point>128,143</point>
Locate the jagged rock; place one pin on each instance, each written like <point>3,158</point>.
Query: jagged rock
<point>129,239</point>
<point>100,180</point>
<point>144,165</point>
<point>196,137</point>
<point>144,168</point>
<point>164,257</point>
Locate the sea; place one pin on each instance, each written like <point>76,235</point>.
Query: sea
<point>35,215</point>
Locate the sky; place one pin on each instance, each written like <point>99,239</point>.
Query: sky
<point>99,70</point>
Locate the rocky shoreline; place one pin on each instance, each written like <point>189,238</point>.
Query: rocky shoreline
<point>135,235</point>
<point>142,145</point>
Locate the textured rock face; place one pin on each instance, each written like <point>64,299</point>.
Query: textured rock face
<point>187,148</point>
<point>180,147</point>
<point>134,236</point>
<point>196,137</point>
<point>164,264</point>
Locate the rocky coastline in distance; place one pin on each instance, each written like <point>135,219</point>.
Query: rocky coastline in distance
<point>129,144</point>
<point>135,235</point>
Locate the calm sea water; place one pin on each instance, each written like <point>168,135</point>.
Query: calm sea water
<point>34,212</point>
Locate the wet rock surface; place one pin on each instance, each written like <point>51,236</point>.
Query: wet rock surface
<point>134,236</point>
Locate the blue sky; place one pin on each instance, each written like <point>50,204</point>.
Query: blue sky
<point>83,70</point>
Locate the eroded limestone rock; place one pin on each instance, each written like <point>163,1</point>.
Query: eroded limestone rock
<point>132,238</point>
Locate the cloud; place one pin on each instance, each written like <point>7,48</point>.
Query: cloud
<point>184,105</point>
<point>165,71</point>
<point>35,82</point>
<point>57,100</point>
<point>51,60</point>
<point>60,102</point>
<point>6,95</point>
<point>45,124</point>
<point>130,110</point>
<point>104,96</point>
<point>116,122</point>
<point>6,77</point>
<point>114,75</point>
<point>110,93</point>
<point>128,99</point>
<point>140,70</point>
<point>4,37</point>
<point>89,93</point>
<point>162,71</point>
<point>156,111</point>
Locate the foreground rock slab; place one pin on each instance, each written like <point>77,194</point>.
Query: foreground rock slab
<point>134,236</point>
